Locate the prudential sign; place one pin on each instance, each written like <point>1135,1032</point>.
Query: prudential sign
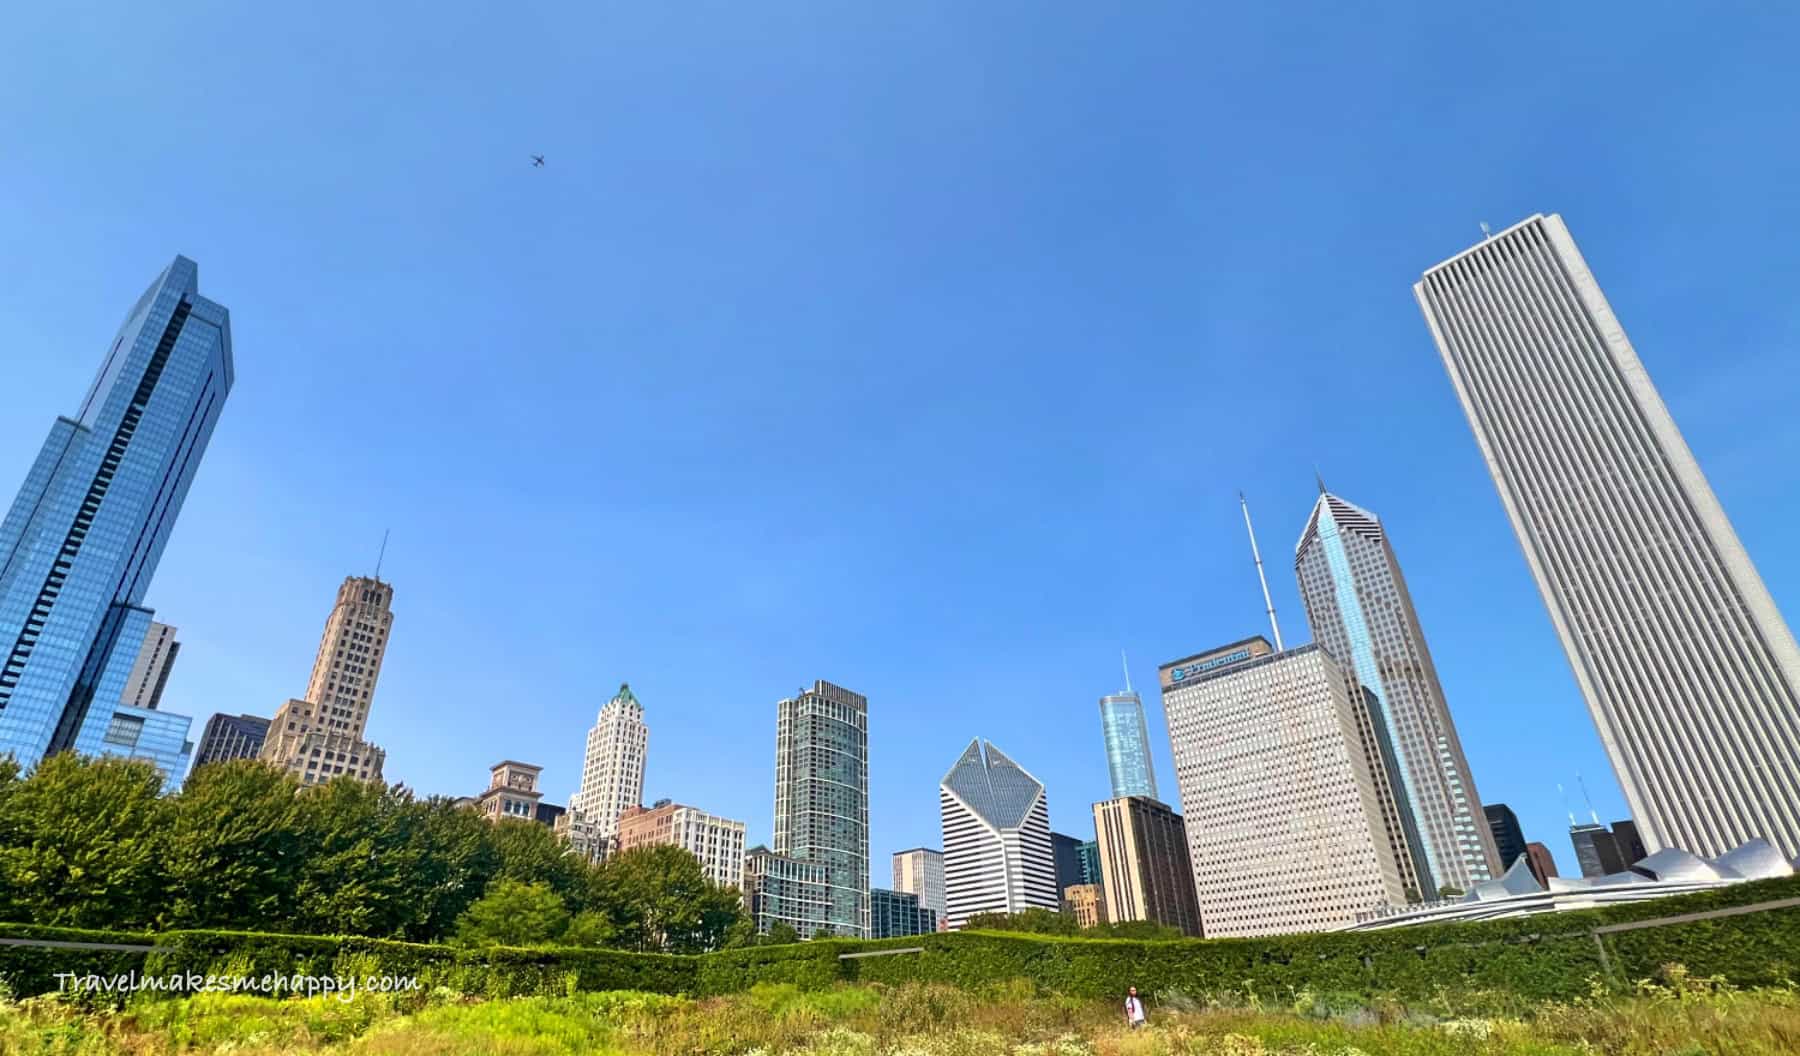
<point>1211,663</point>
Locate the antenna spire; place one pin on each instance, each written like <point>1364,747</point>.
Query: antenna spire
<point>1127,665</point>
<point>1485,232</point>
<point>1585,799</point>
<point>382,556</point>
<point>1320,477</point>
<point>1564,796</point>
<point>1256,554</point>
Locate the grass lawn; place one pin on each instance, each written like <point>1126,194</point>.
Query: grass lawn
<point>1679,1016</point>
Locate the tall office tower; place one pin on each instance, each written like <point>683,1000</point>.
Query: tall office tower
<point>1127,743</point>
<point>1066,852</point>
<point>1688,669</point>
<point>920,871</point>
<point>150,671</point>
<point>83,537</point>
<point>996,822</point>
<point>1144,860</point>
<point>822,795</point>
<point>1630,844</point>
<point>612,772</point>
<point>782,889</point>
<point>1509,838</point>
<point>1541,863</point>
<point>1595,850</point>
<point>1285,825</point>
<point>716,843</point>
<point>229,737</point>
<point>1361,612</point>
<point>896,913</point>
<point>320,736</point>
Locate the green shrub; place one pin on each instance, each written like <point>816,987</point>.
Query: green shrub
<point>1508,963</point>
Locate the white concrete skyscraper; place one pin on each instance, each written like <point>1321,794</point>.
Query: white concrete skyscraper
<point>1361,612</point>
<point>612,772</point>
<point>1687,667</point>
<point>996,823</point>
<point>1288,817</point>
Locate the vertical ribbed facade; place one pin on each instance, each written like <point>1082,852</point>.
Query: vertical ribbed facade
<point>1361,612</point>
<point>1687,667</point>
<point>996,825</point>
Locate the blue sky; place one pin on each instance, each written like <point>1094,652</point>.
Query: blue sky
<point>918,347</point>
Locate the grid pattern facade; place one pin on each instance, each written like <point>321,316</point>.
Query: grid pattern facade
<point>1283,822</point>
<point>822,795</point>
<point>229,737</point>
<point>1085,904</point>
<point>612,770</point>
<point>996,824</point>
<point>1127,745</point>
<point>1144,863</point>
<point>718,843</point>
<point>1361,612</point>
<point>150,672</point>
<point>896,913</point>
<point>82,539</point>
<point>1688,669</point>
<point>782,889</point>
<point>920,871</point>
<point>320,736</point>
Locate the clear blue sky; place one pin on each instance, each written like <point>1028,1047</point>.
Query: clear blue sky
<point>919,347</point>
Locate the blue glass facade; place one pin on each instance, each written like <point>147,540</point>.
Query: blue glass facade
<point>83,537</point>
<point>1127,745</point>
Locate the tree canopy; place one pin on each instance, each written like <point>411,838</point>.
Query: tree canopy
<point>89,843</point>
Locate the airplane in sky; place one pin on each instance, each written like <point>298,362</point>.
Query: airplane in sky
<point>537,161</point>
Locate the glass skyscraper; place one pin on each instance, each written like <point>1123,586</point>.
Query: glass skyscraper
<point>1361,612</point>
<point>82,540</point>
<point>1127,745</point>
<point>822,799</point>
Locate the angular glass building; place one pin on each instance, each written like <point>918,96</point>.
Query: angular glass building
<point>1689,671</point>
<point>1361,612</point>
<point>82,540</point>
<point>1127,745</point>
<point>997,849</point>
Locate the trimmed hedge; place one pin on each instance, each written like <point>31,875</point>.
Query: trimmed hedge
<point>1547,956</point>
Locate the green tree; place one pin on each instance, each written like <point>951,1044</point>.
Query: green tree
<point>659,899</point>
<point>589,928</point>
<point>1450,891</point>
<point>512,913</point>
<point>532,854</point>
<point>1141,931</point>
<point>457,861</point>
<point>361,856</point>
<point>235,848</point>
<point>823,933</point>
<point>85,843</point>
<point>781,933</point>
<point>1036,921</point>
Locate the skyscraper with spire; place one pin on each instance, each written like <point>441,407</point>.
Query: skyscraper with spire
<point>82,540</point>
<point>1127,742</point>
<point>320,736</point>
<point>1361,612</point>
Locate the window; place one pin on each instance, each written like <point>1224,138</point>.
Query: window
<point>124,730</point>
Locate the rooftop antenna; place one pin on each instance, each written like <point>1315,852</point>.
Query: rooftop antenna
<point>1268,602</point>
<point>1320,477</point>
<point>1564,796</point>
<point>1485,232</point>
<point>382,556</point>
<point>1127,665</point>
<point>1585,799</point>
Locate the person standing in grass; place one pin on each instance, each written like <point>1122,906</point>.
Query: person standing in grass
<point>1134,1009</point>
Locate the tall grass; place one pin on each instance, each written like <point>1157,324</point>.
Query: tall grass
<point>1673,1016</point>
